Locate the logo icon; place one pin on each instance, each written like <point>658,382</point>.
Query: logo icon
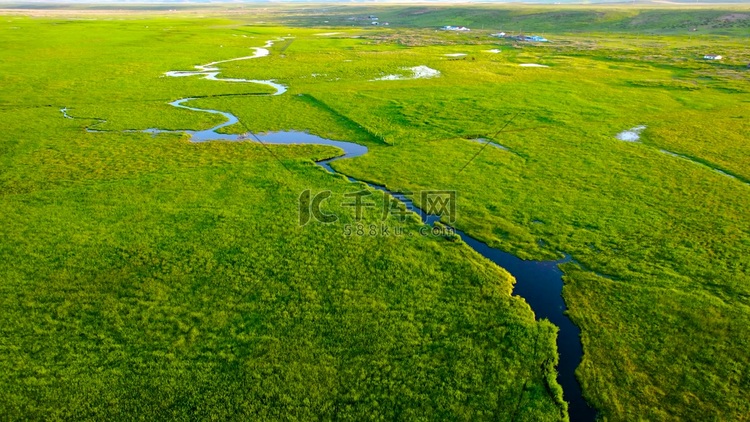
<point>441,203</point>
<point>309,207</point>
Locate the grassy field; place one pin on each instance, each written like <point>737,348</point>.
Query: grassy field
<point>644,19</point>
<point>153,277</point>
<point>150,275</point>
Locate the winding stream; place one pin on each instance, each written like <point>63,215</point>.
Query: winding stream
<point>538,282</point>
<point>694,161</point>
<point>634,135</point>
<point>211,72</point>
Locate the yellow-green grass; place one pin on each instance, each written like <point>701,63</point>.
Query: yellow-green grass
<point>152,278</point>
<point>663,332</point>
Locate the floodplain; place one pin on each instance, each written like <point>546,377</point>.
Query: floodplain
<point>147,274</point>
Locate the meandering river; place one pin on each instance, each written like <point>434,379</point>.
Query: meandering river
<point>538,282</point>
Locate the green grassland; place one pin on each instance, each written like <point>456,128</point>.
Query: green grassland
<point>151,275</point>
<point>153,278</point>
<point>644,19</point>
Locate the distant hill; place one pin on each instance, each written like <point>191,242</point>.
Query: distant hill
<point>445,2</point>
<point>541,16</point>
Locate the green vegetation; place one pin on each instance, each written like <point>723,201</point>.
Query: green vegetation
<point>153,278</point>
<point>700,19</point>
<point>150,275</point>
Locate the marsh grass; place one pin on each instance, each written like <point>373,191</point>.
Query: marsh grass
<point>147,274</point>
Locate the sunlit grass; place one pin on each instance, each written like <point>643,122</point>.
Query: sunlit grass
<point>147,274</point>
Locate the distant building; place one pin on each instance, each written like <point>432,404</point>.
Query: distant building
<point>455,28</point>
<point>532,38</point>
<point>712,57</point>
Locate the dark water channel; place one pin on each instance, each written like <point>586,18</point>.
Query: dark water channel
<point>538,282</point>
